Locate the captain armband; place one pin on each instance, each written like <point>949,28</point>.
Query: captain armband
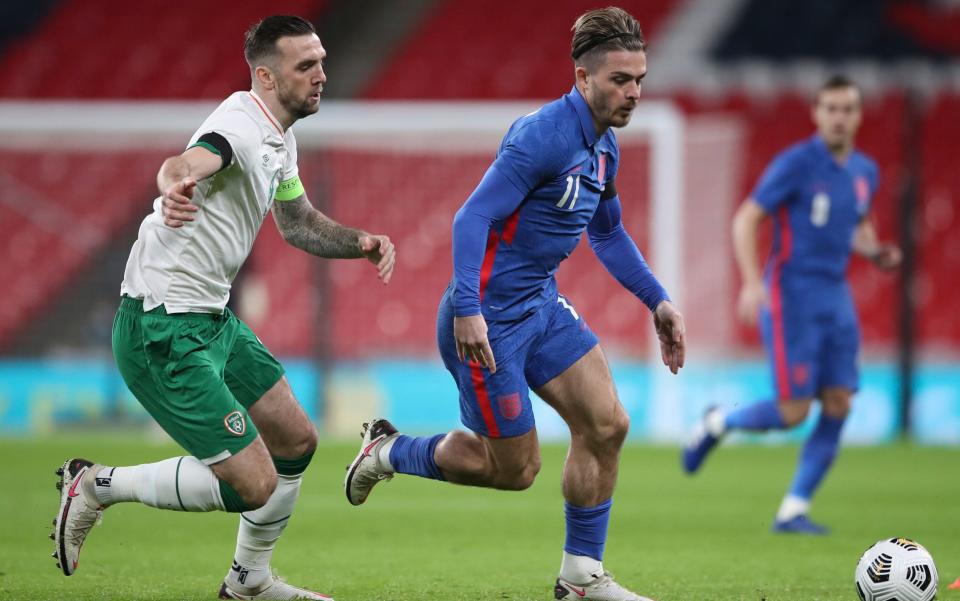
<point>289,189</point>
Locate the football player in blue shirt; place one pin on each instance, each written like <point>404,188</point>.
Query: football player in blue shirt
<point>504,328</point>
<point>818,192</point>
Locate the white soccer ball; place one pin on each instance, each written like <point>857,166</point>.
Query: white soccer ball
<point>896,569</point>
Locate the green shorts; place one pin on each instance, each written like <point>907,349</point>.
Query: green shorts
<point>195,373</point>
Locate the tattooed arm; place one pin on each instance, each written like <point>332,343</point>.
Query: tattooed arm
<point>308,229</point>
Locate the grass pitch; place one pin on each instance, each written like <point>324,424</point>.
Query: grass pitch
<point>672,537</point>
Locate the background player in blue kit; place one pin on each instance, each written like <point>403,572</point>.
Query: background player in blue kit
<point>818,192</point>
<point>504,328</point>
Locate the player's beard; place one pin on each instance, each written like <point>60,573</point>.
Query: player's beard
<point>612,114</point>
<point>297,107</point>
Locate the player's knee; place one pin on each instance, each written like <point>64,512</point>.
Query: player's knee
<point>610,435</point>
<point>307,442</point>
<point>257,492</point>
<point>794,412</point>
<point>521,478</point>
<point>619,428</point>
<point>837,406</point>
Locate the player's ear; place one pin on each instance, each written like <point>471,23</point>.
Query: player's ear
<point>265,77</point>
<point>581,74</point>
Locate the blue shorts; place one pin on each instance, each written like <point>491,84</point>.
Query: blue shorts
<point>812,342</point>
<point>529,353</point>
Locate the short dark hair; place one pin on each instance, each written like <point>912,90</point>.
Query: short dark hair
<point>261,39</point>
<point>836,82</point>
<point>602,30</point>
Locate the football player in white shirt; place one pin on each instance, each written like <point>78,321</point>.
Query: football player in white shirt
<point>199,370</point>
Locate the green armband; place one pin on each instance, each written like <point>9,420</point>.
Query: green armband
<point>289,189</point>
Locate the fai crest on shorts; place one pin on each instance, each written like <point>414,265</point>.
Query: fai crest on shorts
<point>510,406</point>
<point>235,423</point>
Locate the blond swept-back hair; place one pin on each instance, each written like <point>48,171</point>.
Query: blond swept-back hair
<point>599,31</point>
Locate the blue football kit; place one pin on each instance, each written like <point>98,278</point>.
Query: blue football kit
<point>553,179</point>
<point>810,327</point>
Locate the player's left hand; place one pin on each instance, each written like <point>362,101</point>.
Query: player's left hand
<point>887,257</point>
<point>381,252</point>
<point>672,334</point>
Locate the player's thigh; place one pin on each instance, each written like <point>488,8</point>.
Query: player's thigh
<point>516,458</point>
<point>250,472</point>
<point>792,339</point>
<point>257,380</point>
<point>493,405</point>
<point>172,365</point>
<point>839,355</point>
<point>585,397</point>
<point>282,422</point>
<point>251,371</point>
<point>836,400</point>
<point>569,372</point>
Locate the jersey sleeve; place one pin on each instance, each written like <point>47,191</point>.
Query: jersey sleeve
<point>777,184</point>
<point>610,177</point>
<point>532,154</point>
<point>239,131</point>
<point>290,169</point>
<point>873,179</point>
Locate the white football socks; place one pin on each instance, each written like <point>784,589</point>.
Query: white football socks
<point>716,423</point>
<point>178,483</point>
<point>383,454</point>
<point>580,569</point>
<point>791,507</point>
<point>258,534</point>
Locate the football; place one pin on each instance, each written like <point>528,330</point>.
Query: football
<point>896,569</point>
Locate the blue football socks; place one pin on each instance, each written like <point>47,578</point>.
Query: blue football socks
<point>817,456</point>
<point>587,529</point>
<point>410,455</point>
<point>764,415</point>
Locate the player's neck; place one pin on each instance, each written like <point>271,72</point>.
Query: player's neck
<point>841,154</point>
<point>600,129</point>
<point>284,118</point>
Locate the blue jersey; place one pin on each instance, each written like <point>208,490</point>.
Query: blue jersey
<point>816,204</point>
<point>555,157</point>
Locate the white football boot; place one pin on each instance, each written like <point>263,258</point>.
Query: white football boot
<point>367,470</point>
<point>274,589</point>
<point>79,512</point>
<point>601,588</point>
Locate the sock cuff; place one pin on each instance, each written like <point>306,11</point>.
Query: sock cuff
<point>832,420</point>
<point>587,512</point>
<point>232,501</point>
<point>292,466</point>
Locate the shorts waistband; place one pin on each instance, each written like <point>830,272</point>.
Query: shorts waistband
<point>135,305</point>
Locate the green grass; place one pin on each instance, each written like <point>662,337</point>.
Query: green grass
<point>671,537</point>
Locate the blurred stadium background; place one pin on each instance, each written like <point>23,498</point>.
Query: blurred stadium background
<point>95,94</point>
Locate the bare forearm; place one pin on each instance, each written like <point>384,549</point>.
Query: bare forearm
<point>865,242</point>
<point>310,230</point>
<point>173,170</point>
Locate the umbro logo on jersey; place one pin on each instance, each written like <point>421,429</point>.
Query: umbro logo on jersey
<point>235,423</point>
<point>265,158</point>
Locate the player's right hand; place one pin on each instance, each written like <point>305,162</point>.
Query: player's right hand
<point>175,203</point>
<point>752,298</point>
<point>470,334</point>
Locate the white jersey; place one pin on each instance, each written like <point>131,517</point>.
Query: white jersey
<point>190,269</point>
